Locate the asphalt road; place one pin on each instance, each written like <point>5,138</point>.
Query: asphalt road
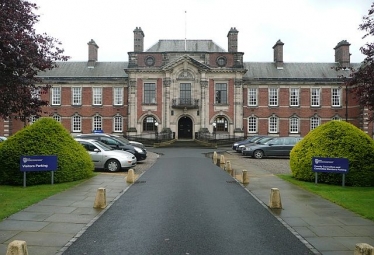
<point>184,204</point>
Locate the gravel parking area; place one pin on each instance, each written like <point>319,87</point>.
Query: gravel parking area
<point>272,165</point>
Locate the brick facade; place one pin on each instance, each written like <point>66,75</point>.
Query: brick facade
<point>203,78</point>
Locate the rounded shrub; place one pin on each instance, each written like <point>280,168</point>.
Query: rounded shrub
<point>44,137</point>
<point>335,139</point>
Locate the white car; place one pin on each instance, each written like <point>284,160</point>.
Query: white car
<point>3,138</point>
<point>105,157</point>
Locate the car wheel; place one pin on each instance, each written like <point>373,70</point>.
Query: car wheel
<point>113,165</point>
<point>258,154</point>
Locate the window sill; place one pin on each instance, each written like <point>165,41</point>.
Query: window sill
<point>149,103</point>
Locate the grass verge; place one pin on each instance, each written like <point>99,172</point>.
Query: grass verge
<point>15,198</point>
<point>356,199</point>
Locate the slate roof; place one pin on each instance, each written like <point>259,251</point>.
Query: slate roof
<point>295,71</point>
<point>80,70</point>
<point>255,70</point>
<point>179,45</point>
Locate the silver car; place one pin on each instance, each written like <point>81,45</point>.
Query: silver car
<point>105,157</point>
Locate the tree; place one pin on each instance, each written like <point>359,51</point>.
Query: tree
<point>23,54</point>
<point>361,81</point>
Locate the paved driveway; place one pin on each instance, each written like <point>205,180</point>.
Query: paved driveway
<point>186,205</point>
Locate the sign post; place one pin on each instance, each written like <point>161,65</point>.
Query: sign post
<point>330,165</point>
<point>38,163</point>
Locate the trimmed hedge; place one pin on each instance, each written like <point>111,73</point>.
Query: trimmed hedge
<point>335,139</point>
<point>44,137</point>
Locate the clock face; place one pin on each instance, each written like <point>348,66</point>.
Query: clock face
<point>150,61</point>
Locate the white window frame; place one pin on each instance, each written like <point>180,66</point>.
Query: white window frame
<point>32,119</point>
<point>76,123</point>
<point>97,122</point>
<point>294,125</point>
<point>336,97</point>
<point>76,96</point>
<point>252,124</point>
<point>118,96</point>
<point>97,96</point>
<point>117,123</point>
<point>57,117</point>
<point>219,98</point>
<point>252,97</point>
<point>56,96</point>
<point>273,94</point>
<point>273,124</point>
<point>149,94</point>
<point>336,117</point>
<point>294,96</point>
<point>35,93</point>
<point>315,97</point>
<point>315,121</point>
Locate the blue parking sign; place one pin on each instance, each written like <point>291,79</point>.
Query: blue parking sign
<point>38,163</point>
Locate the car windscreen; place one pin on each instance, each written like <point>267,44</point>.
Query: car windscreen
<point>122,139</point>
<point>253,139</point>
<point>103,146</point>
<point>263,140</point>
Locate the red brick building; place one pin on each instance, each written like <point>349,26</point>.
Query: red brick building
<point>189,86</point>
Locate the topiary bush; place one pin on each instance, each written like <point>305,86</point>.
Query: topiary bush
<point>335,139</point>
<point>44,137</point>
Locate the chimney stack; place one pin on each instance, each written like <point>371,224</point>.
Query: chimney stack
<point>92,53</point>
<point>138,40</point>
<point>278,54</point>
<point>233,40</point>
<point>342,55</point>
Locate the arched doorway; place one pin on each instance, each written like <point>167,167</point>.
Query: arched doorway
<point>185,128</point>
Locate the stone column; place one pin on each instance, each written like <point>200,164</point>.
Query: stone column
<point>238,104</point>
<point>132,112</point>
<point>203,108</point>
<point>166,120</point>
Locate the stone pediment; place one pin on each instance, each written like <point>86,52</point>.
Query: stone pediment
<point>183,59</point>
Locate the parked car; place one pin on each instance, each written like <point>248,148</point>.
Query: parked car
<point>261,139</point>
<point>276,146</point>
<point>117,143</point>
<point>2,138</point>
<point>133,143</point>
<point>105,157</point>
<point>251,139</point>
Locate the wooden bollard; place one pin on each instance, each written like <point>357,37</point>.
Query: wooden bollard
<point>363,249</point>
<point>100,200</point>
<point>130,176</point>
<point>215,158</point>
<point>275,199</point>
<point>222,162</point>
<point>17,247</point>
<point>245,177</point>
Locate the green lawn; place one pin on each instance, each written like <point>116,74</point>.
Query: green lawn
<point>356,199</point>
<point>16,198</point>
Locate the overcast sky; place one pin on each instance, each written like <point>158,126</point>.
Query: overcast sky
<point>309,29</point>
